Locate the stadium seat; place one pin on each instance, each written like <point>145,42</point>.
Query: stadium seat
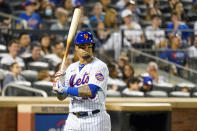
<point>3,48</point>
<point>44,85</point>
<point>156,94</point>
<point>179,94</point>
<point>38,66</point>
<point>52,59</point>
<point>2,55</point>
<point>167,87</point>
<point>194,94</point>
<point>133,94</point>
<point>13,91</point>
<point>112,93</point>
<point>30,75</point>
<point>182,85</point>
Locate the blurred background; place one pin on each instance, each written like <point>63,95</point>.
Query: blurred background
<point>149,42</point>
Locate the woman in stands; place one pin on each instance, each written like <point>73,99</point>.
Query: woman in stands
<point>45,42</point>
<point>108,26</point>
<point>128,72</point>
<point>15,70</point>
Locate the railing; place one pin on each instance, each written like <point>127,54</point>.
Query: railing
<point>13,85</point>
<point>12,17</point>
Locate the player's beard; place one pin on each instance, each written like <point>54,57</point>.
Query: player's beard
<point>86,57</point>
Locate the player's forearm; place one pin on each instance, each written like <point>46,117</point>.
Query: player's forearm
<point>89,90</point>
<point>84,91</point>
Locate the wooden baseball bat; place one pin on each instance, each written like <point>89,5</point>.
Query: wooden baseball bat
<point>71,33</point>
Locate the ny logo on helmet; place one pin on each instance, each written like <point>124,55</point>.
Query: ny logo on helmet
<point>86,36</point>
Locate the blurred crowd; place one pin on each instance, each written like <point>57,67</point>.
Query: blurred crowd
<point>164,25</point>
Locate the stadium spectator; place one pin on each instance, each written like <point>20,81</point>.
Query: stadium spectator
<point>178,7</point>
<point>155,34</point>
<point>37,5</point>
<point>35,54</point>
<point>131,5</point>
<point>48,12</point>
<point>44,75</point>
<point>152,70</point>
<point>150,13</point>
<point>32,18</point>
<point>153,11</point>
<point>69,60</point>
<point>185,89</point>
<point>97,14</point>
<point>13,48</point>
<point>67,5</point>
<point>170,6</point>
<point>109,23</point>
<point>113,80</point>
<point>175,27</point>
<point>45,42</point>
<point>84,22</point>
<point>132,85</point>
<point>148,3</point>
<point>5,8</point>
<point>24,42</point>
<point>43,4</point>
<point>15,70</point>
<point>123,60</point>
<point>128,72</point>
<point>62,23</point>
<point>120,4</point>
<point>132,30</point>
<point>58,54</point>
<point>62,16</point>
<point>175,55</point>
<point>156,6</point>
<point>192,51</point>
<point>106,5</point>
<point>147,84</point>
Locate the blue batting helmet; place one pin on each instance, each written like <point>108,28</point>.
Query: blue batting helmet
<point>84,37</point>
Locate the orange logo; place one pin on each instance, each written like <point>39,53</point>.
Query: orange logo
<point>86,36</point>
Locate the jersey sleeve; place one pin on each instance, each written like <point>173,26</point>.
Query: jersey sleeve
<point>99,76</point>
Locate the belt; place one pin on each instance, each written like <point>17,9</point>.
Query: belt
<point>83,114</point>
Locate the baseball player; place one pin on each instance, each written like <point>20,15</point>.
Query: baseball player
<point>85,81</point>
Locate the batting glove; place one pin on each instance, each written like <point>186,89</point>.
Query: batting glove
<point>58,86</point>
<point>56,79</point>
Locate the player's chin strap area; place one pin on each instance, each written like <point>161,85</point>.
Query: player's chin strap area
<point>84,114</point>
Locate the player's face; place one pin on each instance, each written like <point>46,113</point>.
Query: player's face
<point>84,51</point>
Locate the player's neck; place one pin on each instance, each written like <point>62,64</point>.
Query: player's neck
<point>84,61</point>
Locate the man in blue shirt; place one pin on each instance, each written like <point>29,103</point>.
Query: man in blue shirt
<point>33,19</point>
<point>175,27</point>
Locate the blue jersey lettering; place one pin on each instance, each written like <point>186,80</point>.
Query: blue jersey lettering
<point>79,81</point>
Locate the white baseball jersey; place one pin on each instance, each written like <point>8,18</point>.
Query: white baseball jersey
<point>95,72</point>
